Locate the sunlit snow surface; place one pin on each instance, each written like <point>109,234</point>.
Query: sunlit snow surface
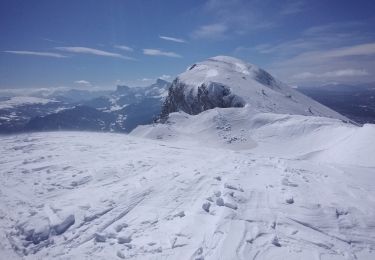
<point>211,186</point>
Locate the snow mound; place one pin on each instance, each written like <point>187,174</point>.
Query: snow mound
<point>229,82</point>
<point>287,136</point>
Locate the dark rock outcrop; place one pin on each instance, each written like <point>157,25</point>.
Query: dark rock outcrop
<point>208,96</point>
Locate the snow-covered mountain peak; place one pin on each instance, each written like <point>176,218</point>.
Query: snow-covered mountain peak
<point>161,82</point>
<point>224,81</point>
<point>217,68</point>
<point>122,89</point>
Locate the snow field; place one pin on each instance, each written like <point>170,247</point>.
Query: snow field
<point>133,198</point>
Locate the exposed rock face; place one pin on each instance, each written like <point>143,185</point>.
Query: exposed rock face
<point>208,96</point>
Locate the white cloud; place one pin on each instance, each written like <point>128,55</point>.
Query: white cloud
<point>156,52</point>
<point>347,73</point>
<point>357,50</point>
<point>230,18</point>
<point>288,47</point>
<point>316,38</point>
<point>53,41</point>
<point>220,4</point>
<point>333,28</point>
<point>83,83</point>
<point>320,52</point>
<point>91,51</point>
<point>124,47</point>
<point>320,69</point>
<point>38,53</point>
<point>331,55</point>
<point>322,62</point>
<point>293,7</point>
<point>147,79</point>
<point>165,77</point>
<point>142,82</point>
<point>211,31</point>
<point>167,38</point>
<point>331,74</point>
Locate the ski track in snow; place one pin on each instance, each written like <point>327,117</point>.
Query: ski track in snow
<point>114,196</point>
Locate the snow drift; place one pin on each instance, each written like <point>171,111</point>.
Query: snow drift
<point>76,195</point>
<point>285,136</point>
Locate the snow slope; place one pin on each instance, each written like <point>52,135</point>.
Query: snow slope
<point>286,136</point>
<point>224,81</point>
<point>75,195</point>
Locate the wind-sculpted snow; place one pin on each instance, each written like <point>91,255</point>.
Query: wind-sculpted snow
<point>287,136</point>
<point>229,82</point>
<point>242,193</point>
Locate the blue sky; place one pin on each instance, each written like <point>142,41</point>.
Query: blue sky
<point>70,43</point>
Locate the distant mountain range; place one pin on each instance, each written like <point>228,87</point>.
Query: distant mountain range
<point>120,110</point>
<point>356,102</point>
<point>126,107</point>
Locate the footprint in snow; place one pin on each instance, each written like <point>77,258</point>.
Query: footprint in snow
<point>120,254</point>
<point>273,225</point>
<point>230,193</point>
<point>232,187</point>
<point>206,206</point>
<point>220,202</point>
<point>231,205</point>
<point>124,240</point>
<point>119,227</point>
<point>289,200</point>
<point>275,241</point>
<point>180,214</point>
<point>341,212</point>
<point>217,193</point>
<point>179,241</point>
<point>99,237</point>
<point>286,182</point>
<point>198,254</point>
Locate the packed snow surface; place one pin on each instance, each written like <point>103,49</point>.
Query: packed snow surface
<point>219,185</point>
